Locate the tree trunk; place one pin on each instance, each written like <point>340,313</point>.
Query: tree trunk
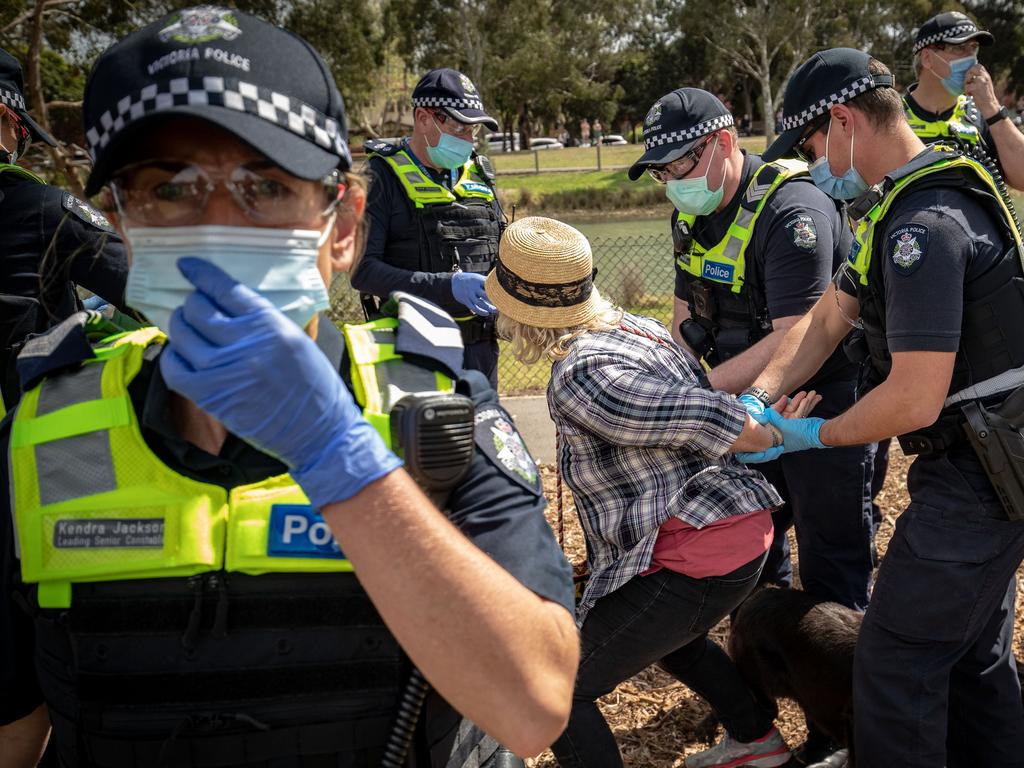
<point>767,101</point>
<point>58,154</point>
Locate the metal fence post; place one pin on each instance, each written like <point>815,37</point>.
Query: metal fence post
<point>536,161</point>
<point>599,154</point>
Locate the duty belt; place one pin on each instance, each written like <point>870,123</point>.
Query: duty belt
<point>476,329</point>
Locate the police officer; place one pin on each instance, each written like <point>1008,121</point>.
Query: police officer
<point>953,99</point>
<point>51,239</point>
<point>434,219</point>
<point>935,277</point>
<point>190,604</point>
<point>756,244</point>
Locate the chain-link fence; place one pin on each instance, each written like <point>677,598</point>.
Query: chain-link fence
<point>635,273</point>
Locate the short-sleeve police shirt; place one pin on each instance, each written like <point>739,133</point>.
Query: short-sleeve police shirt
<point>798,242</point>
<point>498,509</point>
<point>936,241</point>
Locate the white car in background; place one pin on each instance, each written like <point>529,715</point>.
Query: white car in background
<point>502,142</point>
<point>543,143</point>
<point>614,140</point>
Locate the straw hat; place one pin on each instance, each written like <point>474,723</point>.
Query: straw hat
<point>544,274</point>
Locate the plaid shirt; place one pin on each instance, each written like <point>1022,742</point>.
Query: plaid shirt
<point>644,438</point>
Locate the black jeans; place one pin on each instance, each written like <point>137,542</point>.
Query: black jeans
<point>663,618</point>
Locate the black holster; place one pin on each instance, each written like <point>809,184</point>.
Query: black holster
<point>477,329</point>
<point>995,435</point>
<point>696,337</point>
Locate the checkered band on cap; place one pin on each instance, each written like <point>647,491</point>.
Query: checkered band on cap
<point>819,108</point>
<point>444,101</point>
<point>960,29</point>
<point>12,99</point>
<point>678,137</point>
<point>227,92</point>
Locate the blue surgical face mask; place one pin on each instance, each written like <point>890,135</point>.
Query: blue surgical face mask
<point>846,187</point>
<point>451,151</point>
<point>280,264</point>
<point>954,82</point>
<point>692,196</point>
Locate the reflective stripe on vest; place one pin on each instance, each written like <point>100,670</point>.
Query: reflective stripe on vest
<point>380,378</point>
<point>860,255</point>
<point>423,190</point>
<point>93,503</point>
<point>726,261</point>
<point>17,170</point>
<point>957,126</point>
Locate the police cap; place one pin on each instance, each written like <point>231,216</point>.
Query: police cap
<point>950,27</point>
<point>12,95</point>
<point>676,123</point>
<point>454,93</point>
<point>825,80</point>
<point>261,83</point>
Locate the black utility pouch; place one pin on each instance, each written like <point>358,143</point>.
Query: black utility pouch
<point>995,435</point>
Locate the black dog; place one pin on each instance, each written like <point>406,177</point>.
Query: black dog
<point>787,643</point>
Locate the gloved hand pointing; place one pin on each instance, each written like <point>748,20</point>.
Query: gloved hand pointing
<point>242,361</point>
<point>468,289</point>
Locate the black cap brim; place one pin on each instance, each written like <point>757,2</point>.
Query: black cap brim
<point>783,145</point>
<point>472,117</point>
<point>298,156</point>
<point>664,153</point>
<point>983,38</point>
<point>34,128</point>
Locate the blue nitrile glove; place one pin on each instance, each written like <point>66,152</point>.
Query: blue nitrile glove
<point>242,361</point>
<point>797,434</point>
<point>754,407</point>
<point>468,289</point>
<point>759,457</point>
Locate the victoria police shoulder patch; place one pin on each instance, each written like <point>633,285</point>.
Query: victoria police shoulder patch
<point>496,435</point>
<point>907,247</point>
<point>82,210</point>
<point>801,228</point>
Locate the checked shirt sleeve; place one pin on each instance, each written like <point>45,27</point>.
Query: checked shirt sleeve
<point>627,404</point>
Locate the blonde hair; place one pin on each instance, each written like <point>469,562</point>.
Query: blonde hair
<point>530,343</point>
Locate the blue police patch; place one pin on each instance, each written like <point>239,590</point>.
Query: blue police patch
<point>720,273</point>
<point>473,186</point>
<point>907,247</point>
<point>297,530</point>
<point>801,229</point>
<point>496,435</point>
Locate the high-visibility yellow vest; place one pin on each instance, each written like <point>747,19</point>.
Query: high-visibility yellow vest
<point>957,126</point>
<point>92,502</point>
<point>17,170</point>
<point>423,191</point>
<point>726,261</point>
<point>861,253</point>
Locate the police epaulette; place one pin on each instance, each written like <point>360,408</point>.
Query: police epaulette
<point>378,147</point>
<point>65,345</point>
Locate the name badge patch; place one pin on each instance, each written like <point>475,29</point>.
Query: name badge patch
<point>297,530</point>
<point>120,533</point>
<point>721,273</point>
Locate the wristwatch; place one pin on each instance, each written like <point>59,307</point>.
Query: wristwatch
<point>1002,114</point>
<point>761,394</point>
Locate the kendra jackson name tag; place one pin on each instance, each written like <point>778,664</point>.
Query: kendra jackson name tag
<point>297,530</point>
<point>119,533</point>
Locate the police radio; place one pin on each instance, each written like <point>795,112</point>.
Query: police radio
<point>433,433</point>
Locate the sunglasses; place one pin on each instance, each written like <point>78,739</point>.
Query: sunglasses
<point>663,174</point>
<point>799,148</point>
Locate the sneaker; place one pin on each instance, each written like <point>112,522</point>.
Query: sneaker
<point>838,759</point>
<point>770,751</point>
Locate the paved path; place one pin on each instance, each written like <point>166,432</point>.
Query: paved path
<point>531,415</point>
